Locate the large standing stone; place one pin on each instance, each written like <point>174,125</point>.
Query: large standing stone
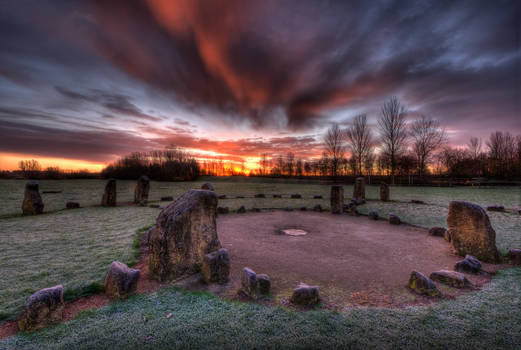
<point>109,196</point>
<point>43,308</point>
<point>384,192</point>
<point>142,189</point>
<point>305,295</point>
<point>186,232</point>
<point>451,278</point>
<point>121,281</point>
<point>421,284</point>
<point>248,281</point>
<point>32,203</point>
<point>359,189</point>
<point>216,267</point>
<point>471,231</point>
<point>207,186</point>
<point>337,199</point>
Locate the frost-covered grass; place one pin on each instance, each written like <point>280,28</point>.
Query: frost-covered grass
<point>75,248</point>
<point>486,319</point>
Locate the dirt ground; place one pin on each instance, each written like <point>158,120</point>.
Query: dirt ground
<point>353,260</point>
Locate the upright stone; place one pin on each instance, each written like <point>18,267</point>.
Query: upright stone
<point>32,203</point>
<point>216,267</point>
<point>207,186</point>
<point>43,308</point>
<point>384,192</point>
<point>248,281</point>
<point>109,196</point>
<point>142,189</point>
<point>121,281</point>
<point>359,189</point>
<point>337,199</point>
<point>185,232</point>
<point>471,231</point>
<point>421,284</point>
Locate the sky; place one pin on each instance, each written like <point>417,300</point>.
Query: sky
<point>85,82</point>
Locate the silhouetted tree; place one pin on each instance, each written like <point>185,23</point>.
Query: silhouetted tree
<point>335,149</point>
<point>427,136</point>
<point>359,141</point>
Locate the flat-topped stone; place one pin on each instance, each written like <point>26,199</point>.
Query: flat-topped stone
<point>32,203</point>
<point>451,278</point>
<point>43,308</point>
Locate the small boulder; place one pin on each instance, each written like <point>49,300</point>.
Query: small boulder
<point>167,198</point>
<point>303,209</point>
<point>260,195</point>
<point>222,196</point>
<point>223,210</point>
<point>359,188</point>
<point>469,264</point>
<point>248,281</point>
<point>317,208</point>
<point>255,210</point>
<point>337,199</point>
<point>437,231</point>
<point>496,208</point>
<point>451,278</point>
<point>216,267</point>
<point>141,190</point>
<point>384,192</point>
<point>207,186</point>
<point>317,196</point>
<point>43,308</point>
<point>415,201</point>
<point>109,196</point>
<point>352,210</point>
<point>72,205</point>
<point>121,281</point>
<point>515,257</point>
<point>373,215</point>
<point>289,208</point>
<point>394,220</point>
<point>421,284</point>
<point>296,195</point>
<point>471,231</point>
<point>263,284</point>
<point>241,210</point>
<point>305,295</point>
<point>32,203</point>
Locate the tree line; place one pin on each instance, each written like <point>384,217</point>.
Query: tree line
<point>397,146</point>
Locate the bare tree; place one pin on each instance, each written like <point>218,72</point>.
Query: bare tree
<point>427,136</point>
<point>475,146</point>
<point>393,130</point>
<point>359,141</point>
<point>30,168</point>
<point>335,149</point>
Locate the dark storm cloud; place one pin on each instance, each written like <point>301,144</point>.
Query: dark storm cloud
<point>270,63</point>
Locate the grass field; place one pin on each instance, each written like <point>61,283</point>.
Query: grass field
<point>76,247</point>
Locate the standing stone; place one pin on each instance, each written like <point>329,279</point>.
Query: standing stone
<point>359,189</point>
<point>207,186</point>
<point>185,232</point>
<point>421,284</point>
<point>32,203</point>
<point>121,281</point>
<point>515,257</point>
<point>43,308</point>
<point>384,192</point>
<point>248,281</point>
<point>451,278</point>
<point>471,231</point>
<point>305,295</point>
<point>337,199</point>
<point>263,284</point>
<point>437,231</point>
<point>469,264</point>
<point>216,267</point>
<point>142,189</point>
<point>394,220</point>
<point>109,196</point>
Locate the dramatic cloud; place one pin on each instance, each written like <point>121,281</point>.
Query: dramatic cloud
<point>241,73</point>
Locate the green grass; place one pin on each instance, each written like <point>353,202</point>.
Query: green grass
<point>75,248</point>
<point>487,319</point>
